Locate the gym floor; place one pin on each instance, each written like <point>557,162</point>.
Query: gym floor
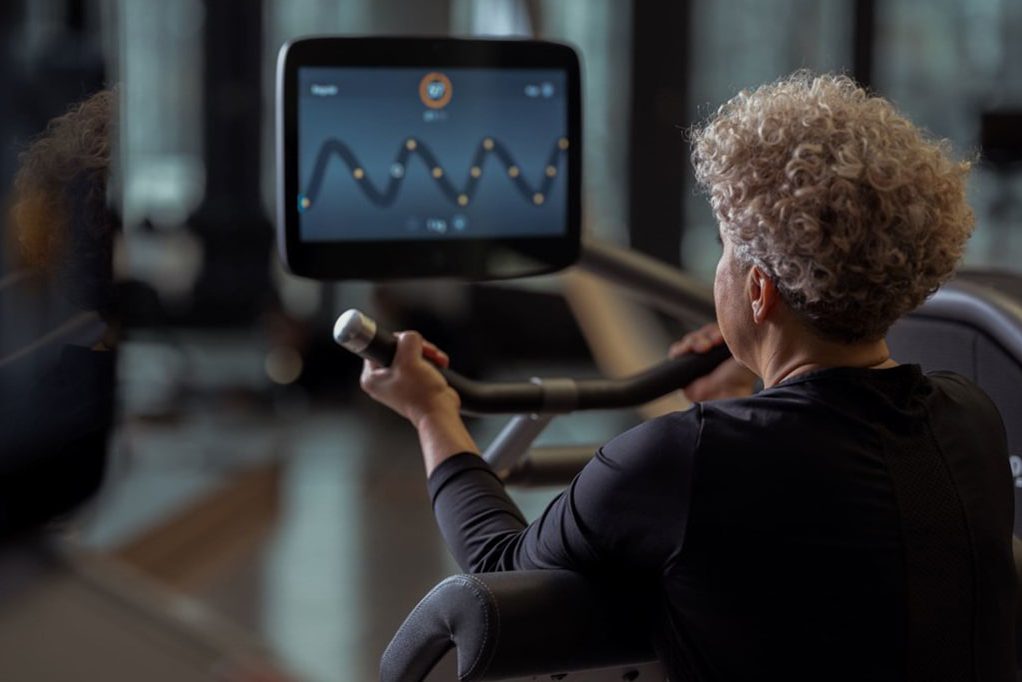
<point>323,553</point>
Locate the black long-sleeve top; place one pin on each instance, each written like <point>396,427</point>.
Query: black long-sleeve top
<point>848,524</point>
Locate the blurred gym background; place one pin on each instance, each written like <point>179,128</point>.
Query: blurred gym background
<point>251,492</point>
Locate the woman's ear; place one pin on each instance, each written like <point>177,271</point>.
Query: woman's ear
<point>763,294</point>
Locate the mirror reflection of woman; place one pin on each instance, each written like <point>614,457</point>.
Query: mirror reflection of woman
<point>57,324</point>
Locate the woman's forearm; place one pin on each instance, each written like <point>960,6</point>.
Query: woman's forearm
<point>442,433</point>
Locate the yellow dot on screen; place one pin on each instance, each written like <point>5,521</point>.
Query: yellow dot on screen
<point>562,143</point>
<point>411,144</point>
<point>306,202</point>
<point>358,173</point>
<point>513,171</point>
<point>462,199</point>
<point>537,198</point>
<point>488,143</point>
<point>551,171</point>
<point>476,171</point>
<point>438,172</point>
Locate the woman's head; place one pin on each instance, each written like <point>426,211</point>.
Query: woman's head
<point>62,223</point>
<point>854,213</point>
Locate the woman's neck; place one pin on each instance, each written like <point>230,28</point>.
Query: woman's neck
<point>788,359</point>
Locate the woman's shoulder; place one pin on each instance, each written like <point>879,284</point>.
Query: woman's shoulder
<point>826,399</point>
<point>953,382</point>
<point>672,428</point>
<point>748,419</point>
<point>953,391</point>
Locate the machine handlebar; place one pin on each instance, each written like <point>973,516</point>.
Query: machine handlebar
<point>360,334</point>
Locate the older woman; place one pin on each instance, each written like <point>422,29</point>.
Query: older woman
<point>56,393</point>
<point>853,519</point>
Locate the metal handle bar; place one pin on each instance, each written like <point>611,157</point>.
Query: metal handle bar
<point>361,335</point>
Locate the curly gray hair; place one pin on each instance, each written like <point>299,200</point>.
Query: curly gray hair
<point>854,212</point>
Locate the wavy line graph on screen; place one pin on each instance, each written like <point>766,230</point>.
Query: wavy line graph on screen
<point>459,196</point>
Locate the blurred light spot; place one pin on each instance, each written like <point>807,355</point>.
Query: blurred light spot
<point>283,365</point>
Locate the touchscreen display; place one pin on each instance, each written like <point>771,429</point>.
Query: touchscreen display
<point>416,154</point>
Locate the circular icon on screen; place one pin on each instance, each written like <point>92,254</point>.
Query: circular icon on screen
<point>435,90</point>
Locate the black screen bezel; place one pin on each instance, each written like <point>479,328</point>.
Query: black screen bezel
<point>470,259</point>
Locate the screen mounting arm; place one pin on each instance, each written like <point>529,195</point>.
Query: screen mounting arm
<point>652,280</point>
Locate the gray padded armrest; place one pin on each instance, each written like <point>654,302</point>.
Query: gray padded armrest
<point>518,624</point>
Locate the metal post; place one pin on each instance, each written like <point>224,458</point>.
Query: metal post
<point>514,440</point>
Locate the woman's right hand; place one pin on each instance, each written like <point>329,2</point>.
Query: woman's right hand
<point>728,380</point>
<point>412,386</point>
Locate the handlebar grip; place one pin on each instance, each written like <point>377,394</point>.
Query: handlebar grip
<point>359,333</point>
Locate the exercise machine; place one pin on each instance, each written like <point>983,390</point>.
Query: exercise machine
<point>462,159</point>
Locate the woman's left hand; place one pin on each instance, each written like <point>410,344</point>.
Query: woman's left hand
<point>412,386</point>
<point>728,380</point>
